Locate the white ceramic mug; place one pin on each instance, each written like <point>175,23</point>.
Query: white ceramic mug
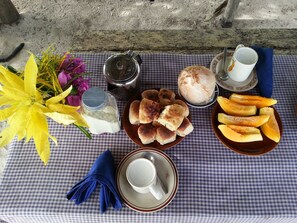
<point>142,176</point>
<point>242,63</point>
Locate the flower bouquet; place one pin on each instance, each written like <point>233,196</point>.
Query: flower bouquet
<point>50,86</point>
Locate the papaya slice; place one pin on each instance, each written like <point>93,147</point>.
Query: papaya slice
<point>252,121</point>
<point>242,134</point>
<point>233,108</point>
<point>259,101</point>
<point>270,128</point>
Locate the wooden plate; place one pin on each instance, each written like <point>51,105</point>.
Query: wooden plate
<point>248,148</point>
<point>131,130</point>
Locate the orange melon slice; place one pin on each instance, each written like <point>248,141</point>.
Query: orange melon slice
<point>233,108</point>
<point>259,101</point>
<point>253,121</point>
<point>270,128</point>
<point>238,133</point>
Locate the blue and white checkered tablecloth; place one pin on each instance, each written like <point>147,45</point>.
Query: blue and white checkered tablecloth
<point>216,184</point>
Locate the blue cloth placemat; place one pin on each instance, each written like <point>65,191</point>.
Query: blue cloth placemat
<point>215,183</point>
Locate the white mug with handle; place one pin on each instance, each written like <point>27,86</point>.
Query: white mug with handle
<point>142,176</point>
<point>242,63</point>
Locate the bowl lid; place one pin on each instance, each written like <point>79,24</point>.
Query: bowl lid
<point>94,98</point>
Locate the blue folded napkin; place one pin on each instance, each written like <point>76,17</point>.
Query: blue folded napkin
<point>101,173</point>
<point>264,70</point>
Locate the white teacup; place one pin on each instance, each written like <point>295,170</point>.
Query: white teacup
<point>242,63</point>
<point>142,176</point>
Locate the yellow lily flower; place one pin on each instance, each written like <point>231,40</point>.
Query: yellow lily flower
<point>26,112</point>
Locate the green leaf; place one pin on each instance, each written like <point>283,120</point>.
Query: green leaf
<point>84,131</point>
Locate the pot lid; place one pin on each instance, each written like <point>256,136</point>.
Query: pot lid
<point>120,68</point>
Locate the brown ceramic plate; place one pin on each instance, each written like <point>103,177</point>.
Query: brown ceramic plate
<point>131,130</point>
<point>248,148</point>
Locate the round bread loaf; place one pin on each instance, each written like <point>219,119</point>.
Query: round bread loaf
<point>165,136</point>
<point>182,103</point>
<point>151,94</point>
<point>148,111</point>
<point>196,84</point>
<point>147,133</point>
<point>185,128</point>
<point>134,112</point>
<point>166,96</point>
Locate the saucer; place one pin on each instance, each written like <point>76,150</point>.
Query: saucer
<point>147,202</point>
<point>211,102</point>
<point>229,84</point>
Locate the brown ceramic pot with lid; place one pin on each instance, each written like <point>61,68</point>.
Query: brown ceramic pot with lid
<point>122,74</point>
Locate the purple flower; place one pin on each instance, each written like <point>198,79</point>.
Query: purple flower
<point>63,78</point>
<point>79,69</point>
<point>78,81</point>
<point>83,87</point>
<point>73,65</point>
<point>66,61</point>
<point>71,70</point>
<point>73,100</point>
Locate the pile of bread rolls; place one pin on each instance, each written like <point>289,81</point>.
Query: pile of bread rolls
<point>160,116</point>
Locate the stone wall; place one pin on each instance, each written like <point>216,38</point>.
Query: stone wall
<point>284,41</point>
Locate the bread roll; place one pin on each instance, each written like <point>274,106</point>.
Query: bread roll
<point>185,128</point>
<point>196,84</point>
<point>182,103</point>
<point>148,111</point>
<point>134,112</point>
<point>166,97</point>
<point>165,136</point>
<point>172,116</point>
<point>156,123</point>
<point>147,133</point>
<point>151,94</point>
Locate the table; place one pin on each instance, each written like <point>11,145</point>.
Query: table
<point>216,184</point>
